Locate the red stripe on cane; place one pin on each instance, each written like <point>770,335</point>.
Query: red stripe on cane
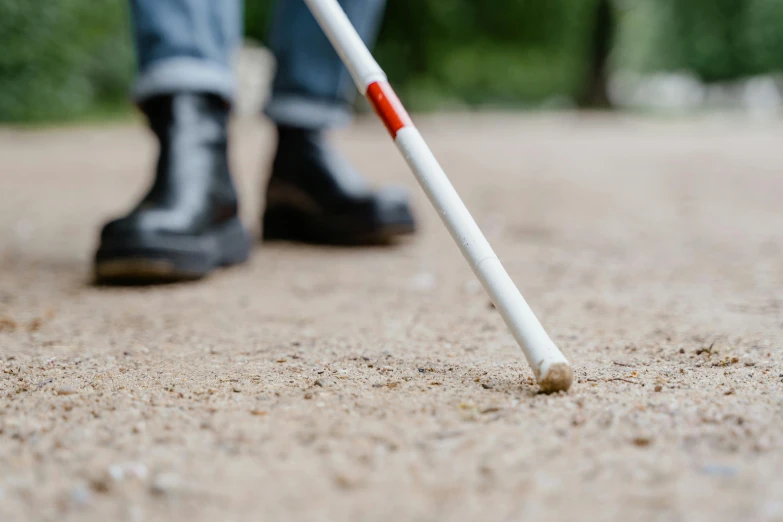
<point>388,107</point>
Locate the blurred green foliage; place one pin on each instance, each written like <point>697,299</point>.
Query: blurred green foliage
<point>717,40</point>
<point>63,58</point>
<point>447,52</point>
<point>441,53</point>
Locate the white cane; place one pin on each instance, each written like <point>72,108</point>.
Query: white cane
<point>551,368</point>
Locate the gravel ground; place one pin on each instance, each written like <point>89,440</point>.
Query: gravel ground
<point>336,384</point>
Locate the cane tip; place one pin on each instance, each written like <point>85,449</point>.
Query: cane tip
<point>557,377</point>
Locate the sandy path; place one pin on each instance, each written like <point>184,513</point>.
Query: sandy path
<point>332,384</point>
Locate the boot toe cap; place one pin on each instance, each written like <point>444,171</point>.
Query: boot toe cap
<point>392,206</point>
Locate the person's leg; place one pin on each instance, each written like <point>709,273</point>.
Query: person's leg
<point>187,224</point>
<point>185,46</point>
<point>312,88</point>
<point>314,195</point>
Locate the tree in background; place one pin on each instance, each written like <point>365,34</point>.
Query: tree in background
<point>594,91</point>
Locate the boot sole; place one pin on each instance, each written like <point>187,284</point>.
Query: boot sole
<point>159,259</point>
<point>292,224</point>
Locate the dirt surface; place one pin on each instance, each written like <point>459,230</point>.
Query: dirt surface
<point>353,385</point>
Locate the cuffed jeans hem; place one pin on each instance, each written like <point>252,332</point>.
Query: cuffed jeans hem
<point>304,112</point>
<point>173,75</point>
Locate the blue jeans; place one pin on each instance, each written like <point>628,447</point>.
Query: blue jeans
<point>189,45</point>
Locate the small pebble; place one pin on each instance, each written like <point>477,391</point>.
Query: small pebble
<point>718,470</point>
<point>80,494</point>
<point>102,483</point>
<point>137,470</point>
<point>641,441</point>
<point>423,282</point>
<point>324,382</point>
<point>165,483</point>
<point>66,390</point>
<point>34,325</point>
<point>8,325</point>
<point>135,513</point>
<point>344,482</point>
<point>472,287</point>
<point>237,388</point>
<point>658,387</point>
<point>116,473</point>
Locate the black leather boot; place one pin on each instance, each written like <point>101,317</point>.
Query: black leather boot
<point>187,224</point>
<point>314,196</point>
